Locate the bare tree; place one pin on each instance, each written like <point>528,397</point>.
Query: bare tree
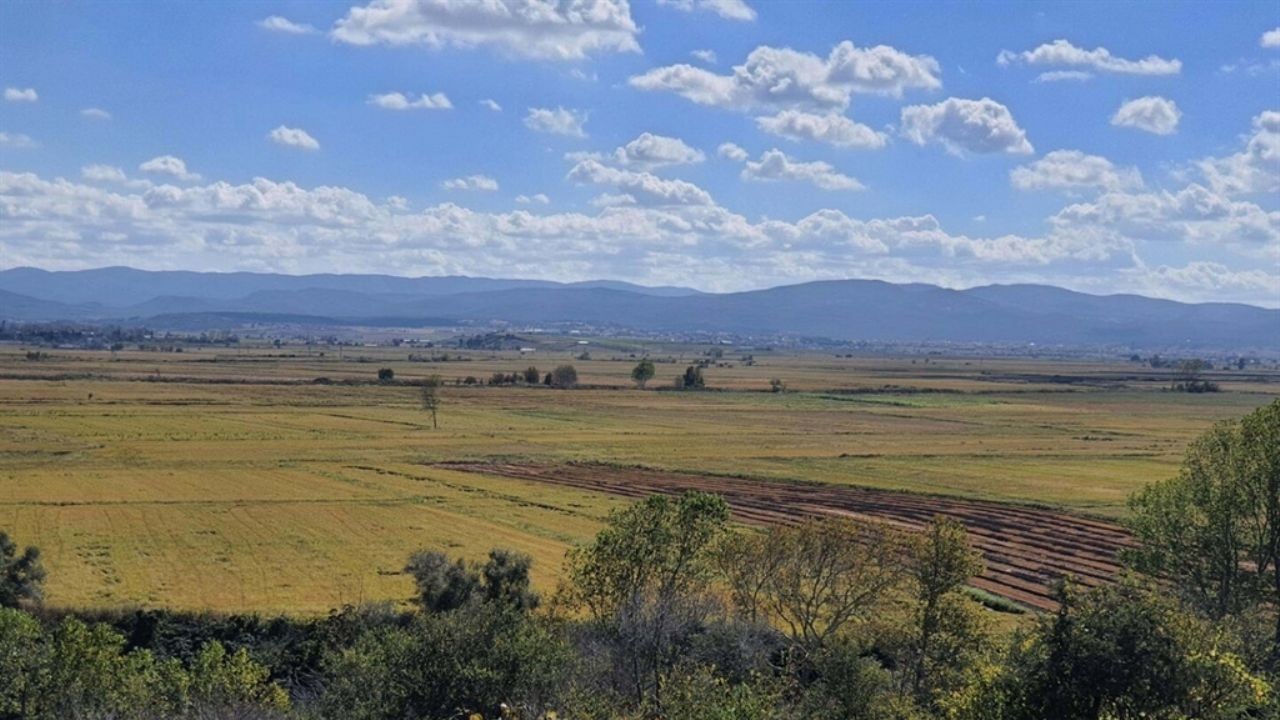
<point>431,398</point>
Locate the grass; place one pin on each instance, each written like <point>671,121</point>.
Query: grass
<point>234,483</point>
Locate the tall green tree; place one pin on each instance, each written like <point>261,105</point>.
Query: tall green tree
<point>644,580</point>
<point>1214,530</point>
<point>1122,652</point>
<point>946,635</point>
<point>643,372</point>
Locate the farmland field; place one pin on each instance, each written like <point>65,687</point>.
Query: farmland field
<point>230,479</point>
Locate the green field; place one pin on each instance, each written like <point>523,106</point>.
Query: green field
<point>227,479</point>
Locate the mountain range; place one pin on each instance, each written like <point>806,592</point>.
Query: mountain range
<point>869,310</point>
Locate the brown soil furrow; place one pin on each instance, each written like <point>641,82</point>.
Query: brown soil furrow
<point>1026,549</point>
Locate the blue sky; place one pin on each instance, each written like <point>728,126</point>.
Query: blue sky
<point>722,144</point>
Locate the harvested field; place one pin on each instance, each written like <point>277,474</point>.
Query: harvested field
<point>1026,548</point>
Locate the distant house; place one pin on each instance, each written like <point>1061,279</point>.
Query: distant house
<point>524,350</point>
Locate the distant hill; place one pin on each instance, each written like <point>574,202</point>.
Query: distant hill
<point>841,309</point>
<point>123,286</point>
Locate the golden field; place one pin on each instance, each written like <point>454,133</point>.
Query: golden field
<point>227,479</point>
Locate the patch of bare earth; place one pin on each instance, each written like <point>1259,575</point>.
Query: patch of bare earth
<point>1026,549</point>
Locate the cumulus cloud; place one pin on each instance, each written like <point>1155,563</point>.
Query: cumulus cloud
<point>537,199</point>
<point>1063,53</point>
<point>293,137</point>
<point>648,152</point>
<point>278,24</point>
<point>1210,280</point>
<point>1152,114</point>
<point>728,9</point>
<point>1256,169</point>
<point>960,125</point>
<point>471,182</point>
<point>174,167</point>
<point>774,165</point>
<point>94,113</point>
<point>103,173</point>
<point>400,101</point>
<point>829,128</point>
<point>542,30</point>
<point>645,187</point>
<point>16,141</point>
<point>732,151</point>
<point>706,56</point>
<point>1195,214</point>
<point>556,121</point>
<point>1270,39</point>
<point>17,95</point>
<point>491,104</point>
<point>781,78</point>
<point>1073,170</point>
<point>650,230</point>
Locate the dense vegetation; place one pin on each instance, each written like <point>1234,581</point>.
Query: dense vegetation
<point>672,612</point>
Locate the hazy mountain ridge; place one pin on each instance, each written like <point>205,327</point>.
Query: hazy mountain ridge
<point>838,309</point>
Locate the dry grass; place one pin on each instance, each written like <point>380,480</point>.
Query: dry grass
<point>234,483</point>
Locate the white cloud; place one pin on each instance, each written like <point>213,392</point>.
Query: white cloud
<point>1074,170</point>
<point>174,167</point>
<point>537,199</point>
<point>557,121</point>
<point>649,151</point>
<point>645,187</point>
<point>293,137</point>
<point>1064,76</point>
<point>1270,39</point>
<point>706,56</point>
<point>16,141</point>
<point>665,232</point>
<point>543,30</point>
<point>1254,170</point>
<point>491,104</point>
<point>728,9</point>
<point>400,101</point>
<point>829,128</point>
<point>1194,214</point>
<point>275,23</point>
<point>774,165</point>
<point>482,183</point>
<point>1203,280</point>
<point>12,94</point>
<point>782,77</point>
<point>978,126</point>
<point>103,173</point>
<point>732,151</point>
<point>1063,53</point>
<point>94,113</point>
<point>1151,113</point>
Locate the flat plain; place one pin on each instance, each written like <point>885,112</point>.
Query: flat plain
<point>230,479</point>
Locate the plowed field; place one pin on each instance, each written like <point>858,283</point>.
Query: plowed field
<point>1026,548</point>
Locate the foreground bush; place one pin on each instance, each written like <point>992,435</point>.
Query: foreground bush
<point>75,670</point>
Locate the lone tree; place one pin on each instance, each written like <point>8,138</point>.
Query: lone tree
<point>643,372</point>
<point>691,379</point>
<point>386,375</point>
<point>20,575</point>
<point>564,376</point>
<point>1214,530</point>
<point>431,397</point>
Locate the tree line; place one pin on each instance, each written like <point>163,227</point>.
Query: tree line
<point>673,612</point>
